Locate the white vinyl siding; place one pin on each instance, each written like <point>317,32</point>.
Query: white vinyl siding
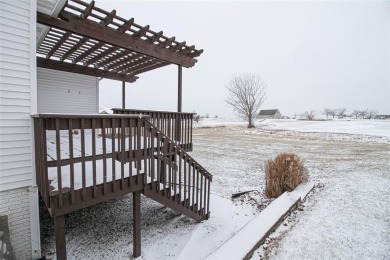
<point>65,92</point>
<point>16,83</point>
<point>50,7</point>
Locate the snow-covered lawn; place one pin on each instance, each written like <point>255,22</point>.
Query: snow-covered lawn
<point>348,216</point>
<point>345,126</point>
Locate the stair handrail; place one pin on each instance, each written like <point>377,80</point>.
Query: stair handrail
<point>195,182</point>
<point>207,173</point>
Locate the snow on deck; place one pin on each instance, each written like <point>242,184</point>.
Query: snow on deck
<point>78,177</point>
<point>64,144</point>
<point>78,180</point>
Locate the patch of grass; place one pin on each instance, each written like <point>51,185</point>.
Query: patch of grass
<point>284,173</point>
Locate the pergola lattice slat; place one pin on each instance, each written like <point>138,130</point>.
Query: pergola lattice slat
<point>113,45</point>
<point>126,25</point>
<point>89,52</point>
<point>88,10</point>
<point>110,60</point>
<point>102,55</point>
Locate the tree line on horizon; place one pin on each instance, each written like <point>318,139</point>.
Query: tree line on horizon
<point>340,113</point>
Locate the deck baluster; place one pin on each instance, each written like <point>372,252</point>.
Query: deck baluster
<point>113,151</point>
<point>59,173</point>
<point>70,135</point>
<point>130,162</point>
<point>122,151</point>
<point>93,121</point>
<point>104,156</point>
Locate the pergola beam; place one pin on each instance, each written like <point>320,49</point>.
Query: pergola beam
<point>126,26</point>
<point>102,55</point>
<point>74,68</point>
<point>58,44</point>
<point>81,42</point>
<point>136,65</point>
<point>151,67</point>
<point>108,19</point>
<point>88,10</point>
<point>113,58</point>
<point>84,27</point>
<point>88,52</point>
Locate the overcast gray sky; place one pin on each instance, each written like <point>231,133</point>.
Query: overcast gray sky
<point>312,55</point>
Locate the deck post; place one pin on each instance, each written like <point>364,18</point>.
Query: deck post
<point>179,88</point>
<point>137,223</point>
<point>179,101</point>
<point>59,227</point>
<point>123,95</point>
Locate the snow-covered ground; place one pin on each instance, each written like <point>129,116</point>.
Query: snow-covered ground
<point>347,216</point>
<point>345,126</point>
<point>217,122</point>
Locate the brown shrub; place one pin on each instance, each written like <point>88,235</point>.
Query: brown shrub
<point>284,173</point>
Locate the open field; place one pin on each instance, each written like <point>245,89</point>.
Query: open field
<point>348,216</point>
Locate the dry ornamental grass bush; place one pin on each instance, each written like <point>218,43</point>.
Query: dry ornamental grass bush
<point>284,173</point>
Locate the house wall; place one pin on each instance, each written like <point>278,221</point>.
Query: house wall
<point>65,92</point>
<point>263,117</point>
<point>277,115</point>
<point>19,199</point>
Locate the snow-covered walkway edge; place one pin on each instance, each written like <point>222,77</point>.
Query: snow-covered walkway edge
<point>252,235</point>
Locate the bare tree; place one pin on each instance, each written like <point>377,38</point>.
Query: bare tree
<point>333,112</point>
<point>327,112</point>
<point>371,114</point>
<point>356,113</point>
<point>196,118</point>
<point>364,113</point>
<point>342,112</point>
<point>295,115</point>
<point>246,93</point>
<point>310,115</point>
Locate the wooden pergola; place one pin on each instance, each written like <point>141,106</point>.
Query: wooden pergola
<point>88,40</point>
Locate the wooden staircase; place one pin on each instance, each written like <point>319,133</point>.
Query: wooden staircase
<point>177,181</point>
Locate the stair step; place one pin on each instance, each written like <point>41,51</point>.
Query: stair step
<point>190,211</point>
<point>154,185</point>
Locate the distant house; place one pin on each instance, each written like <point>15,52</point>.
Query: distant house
<point>270,113</point>
<point>382,117</point>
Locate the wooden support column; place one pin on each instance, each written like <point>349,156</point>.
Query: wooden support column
<point>179,101</point>
<point>123,94</point>
<point>137,223</point>
<point>59,228</point>
<point>179,90</point>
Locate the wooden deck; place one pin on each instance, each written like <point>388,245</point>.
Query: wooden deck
<point>82,160</point>
<point>108,156</point>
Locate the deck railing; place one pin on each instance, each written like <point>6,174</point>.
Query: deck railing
<point>176,125</point>
<point>85,159</point>
<point>184,181</point>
